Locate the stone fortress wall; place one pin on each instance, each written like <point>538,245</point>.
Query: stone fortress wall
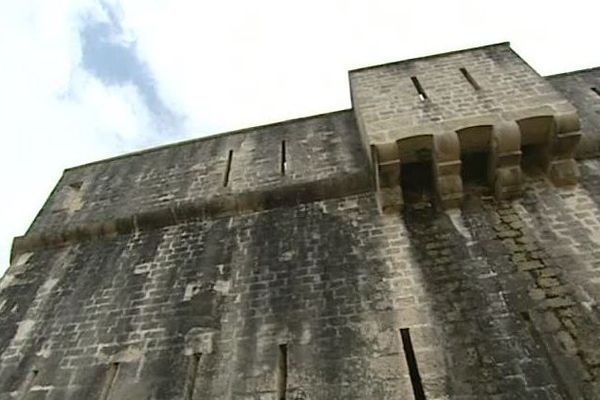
<point>441,239</point>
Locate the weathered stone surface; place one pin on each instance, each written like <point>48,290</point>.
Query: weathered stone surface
<point>578,87</point>
<point>147,277</point>
<point>420,103</point>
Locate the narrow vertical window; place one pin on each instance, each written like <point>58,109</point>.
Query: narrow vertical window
<point>283,158</point>
<point>111,377</point>
<point>227,168</point>
<point>413,368</point>
<point>282,366</point>
<point>470,79</point>
<point>596,90</point>
<point>422,94</point>
<point>190,381</point>
<point>28,383</point>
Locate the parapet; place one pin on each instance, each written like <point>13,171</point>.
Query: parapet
<point>281,164</point>
<point>437,113</point>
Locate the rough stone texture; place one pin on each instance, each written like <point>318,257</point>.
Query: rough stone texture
<point>323,158</point>
<point>388,105</point>
<point>577,87</point>
<point>416,110</point>
<point>144,278</point>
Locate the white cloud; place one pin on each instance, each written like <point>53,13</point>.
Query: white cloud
<point>53,114</point>
<point>231,64</point>
<point>225,65</point>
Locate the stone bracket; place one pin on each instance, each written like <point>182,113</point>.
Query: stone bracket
<point>386,165</point>
<point>505,160</point>
<point>562,168</point>
<point>555,139</point>
<point>446,169</point>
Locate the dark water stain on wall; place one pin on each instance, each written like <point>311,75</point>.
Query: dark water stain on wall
<point>19,297</point>
<point>196,258</point>
<point>91,303</point>
<point>483,343</point>
<point>305,266</point>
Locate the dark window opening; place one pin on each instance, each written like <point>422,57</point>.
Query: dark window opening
<point>282,370</point>
<point>283,159</point>
<point>596,90</point>
<point>416,182</point>
<point>420,90</point>
<point>413,368</point>
<point>470,79</point>
<point>532,158</point>
<point>474,170</point>
<point>227,168</point>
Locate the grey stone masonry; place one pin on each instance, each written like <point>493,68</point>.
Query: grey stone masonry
<point>439,109</point>
<point>435,248</point>
<point>224,174</point>
<point>582,89</point>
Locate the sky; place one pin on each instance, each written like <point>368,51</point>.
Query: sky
<point>89,79</point>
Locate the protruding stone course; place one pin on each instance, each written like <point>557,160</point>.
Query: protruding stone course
<point>443,248</point>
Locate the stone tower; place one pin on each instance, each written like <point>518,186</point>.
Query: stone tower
<point>438,240</point>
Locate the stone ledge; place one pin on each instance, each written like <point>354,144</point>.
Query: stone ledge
<point>215,207</point>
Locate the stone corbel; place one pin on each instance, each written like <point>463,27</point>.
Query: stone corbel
<point>562,168</point>
<point>446,169</point>
<point>505,160</point>
<point>386,164</point>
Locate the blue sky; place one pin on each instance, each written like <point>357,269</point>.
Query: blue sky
<point>88,79</point>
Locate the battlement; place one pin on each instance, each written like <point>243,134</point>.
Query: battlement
<point>292,162</point>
